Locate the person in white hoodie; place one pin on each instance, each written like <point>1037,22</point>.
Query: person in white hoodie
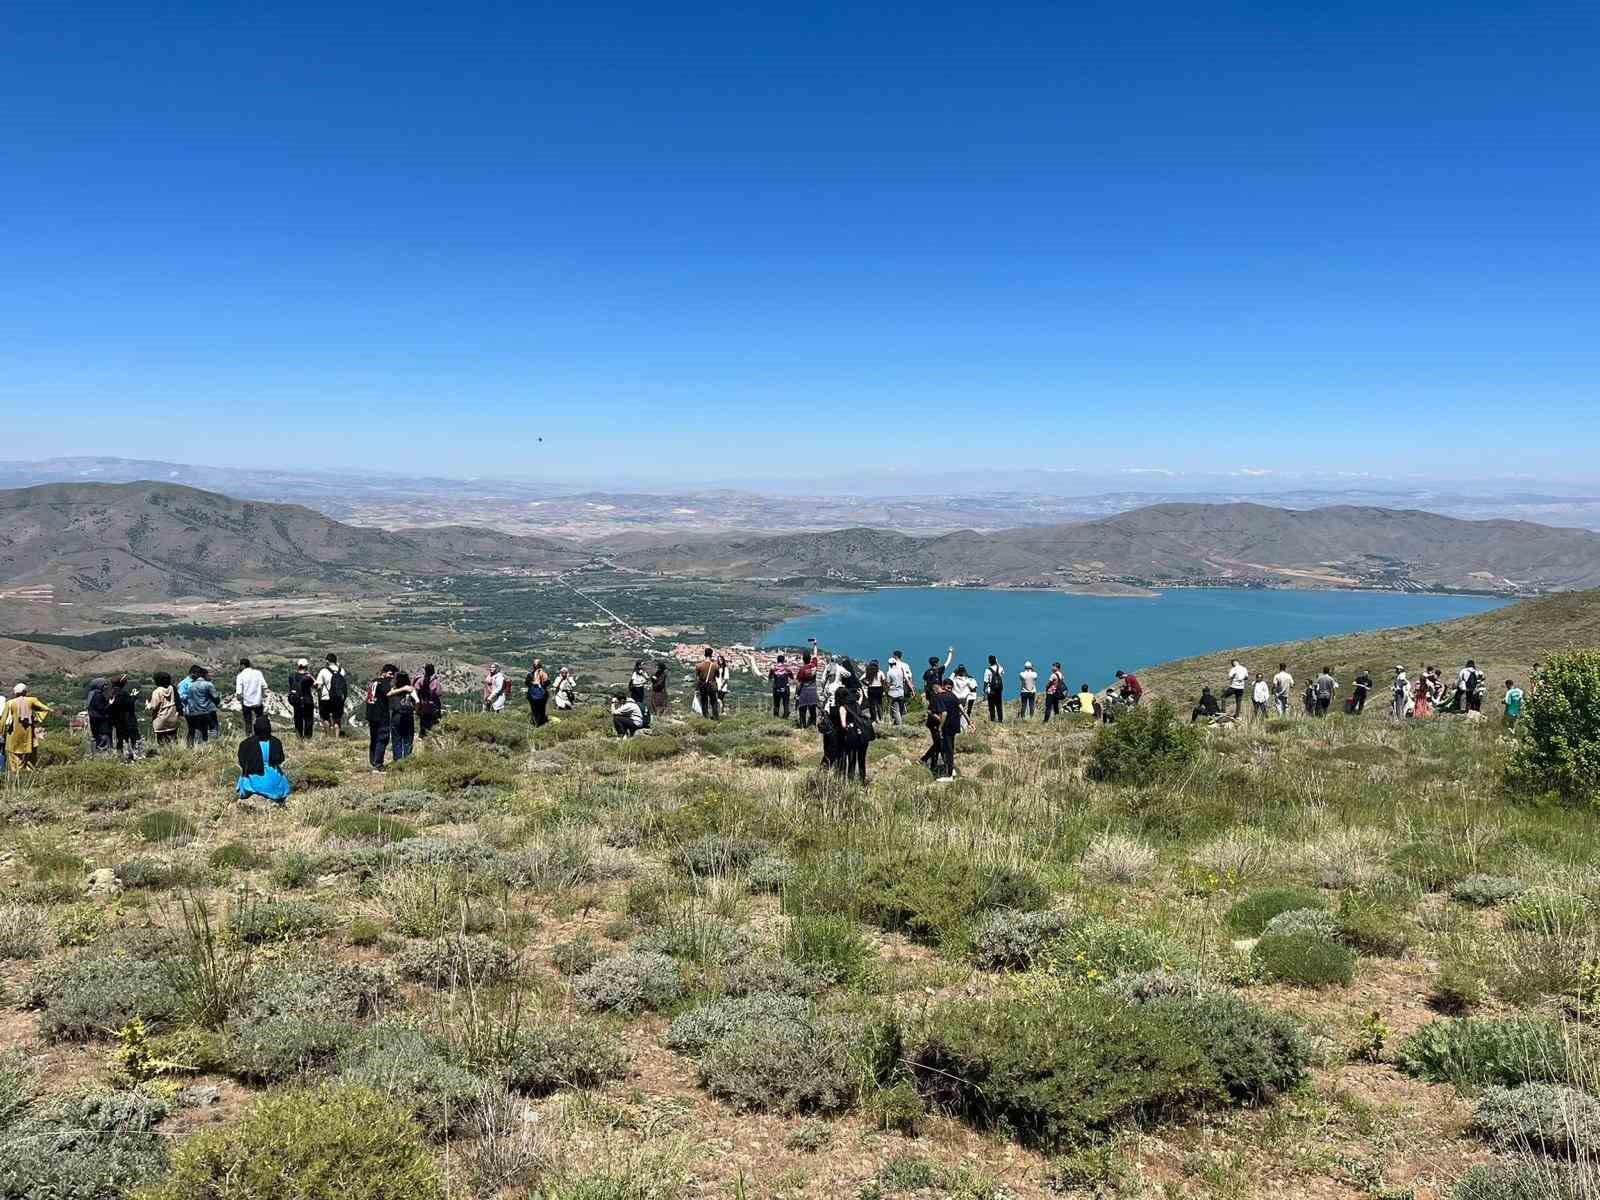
<point>900,682</point>
<point>1260,698</point>
<point>1238,678</point>
<point>1028,681</point>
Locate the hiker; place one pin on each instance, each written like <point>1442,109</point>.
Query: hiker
<point>1282,689</point>
<point>430,700</point>
<point>1028,685</point>
<point>377,705</point>
<point>994,689</point>
<point>1110,700</point>
<point>639,688</point>
<point>565,690</point>
<point>1260,697</point>
<point>658,690</point>
<point>1326,686</point>
<point>1238,677</point>
<point>181,696</point>
<point>260,763</point>
<point>21,720</point>
<point>805,696</point>
<point>1400,695</point>
<point>1086,701</point>
<point>852,732</point>
<point>1512,704</point>
<point>302,700</point>
<point>873,679</point>
<point>1308,699</point>
<point>250,686</point>
<point>705,686</point>
<point>1361,689</point>
<point>97,702</point>
<point>200,705</point>
<point>1132,691</point>
<point>1471,681</point>
<point>536,684</point>
<point>1208,707</point>
<point>966,689</point>
<point>724,683</point>
<point>780,676</point>
<point>402,716</point>
<point>1055,691</point>
<point>163,709</point>
<point>948,713</point>
<point>627,718</point>
<point>934,675</point>
<point>900,685</point>
<point>333,691</point>
<point>124,717</point>
<point>494,689</point>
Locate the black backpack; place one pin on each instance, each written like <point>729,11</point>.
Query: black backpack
<point>338,689</point>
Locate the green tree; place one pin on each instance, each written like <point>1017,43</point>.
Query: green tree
<point>1558,737</point>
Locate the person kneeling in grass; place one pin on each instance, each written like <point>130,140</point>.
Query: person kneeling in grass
<point>260,765</point>
<point>627,718</point>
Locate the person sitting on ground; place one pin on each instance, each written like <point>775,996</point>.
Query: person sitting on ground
<point>1111,701</point>
<point>1238,677</point>
<point>1207,708</point>
<point>1086,701</point>
<point>1132,690</point>
<point>1512,704</point>
<point>627,718</point>
<point>260,765</point>
<point>163,709</point>
<point>22,723</point>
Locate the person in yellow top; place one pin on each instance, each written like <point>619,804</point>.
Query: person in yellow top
<point>21,722</point>
<point>1085,700</point>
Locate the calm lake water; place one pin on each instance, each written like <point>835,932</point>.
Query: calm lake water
<point>1093,636</point>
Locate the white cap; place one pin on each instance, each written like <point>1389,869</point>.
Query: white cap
<point>301,663</point>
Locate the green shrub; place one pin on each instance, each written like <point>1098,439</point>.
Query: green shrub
<point>1303,920</point>
<point>831,946</point>
<point>769,873</point>
<point>330,1143</point>
<point>236,856</point>
<point>1144,744</point>
<point>416,1072</point>
<point>1371,926</point>
<point>537,1059</point>
<point>767,752</point>
<point>811,1063</point>
<point>1474,1052</point>
<point>716,854</point>
<point>576,956</point>
<point>443,962</point>
<point>86,777</point>
<point>1557,747</point>
<point>693,1031</point>
<point>296,1014</point>
<point>1011,941</point>
<point>1146,987</point>
<point>107,985</point>
<point>1528,1179</point>
<point>280,920</point>
<point>85,1146</point>
<point>1257,1054</point>
<point>1057,1073</point>
<point>1540,1117</point>
<point>1548,911</point>
<point>456,770</point>
<point>153,873</point>
<point>312,774</point>
<point>1250,915</point>
<point>632,982</point>
<point>1484,890</point>
<point>367,826</point>
<point>164,825</point>
<point>774,976</point>
<point>1093,949</point>
<point>293,869</point>
<point>24,929</point>
<point>688,933</point>
<point>653,748</point>
<point>1307,959</point>
<point>484,729</point>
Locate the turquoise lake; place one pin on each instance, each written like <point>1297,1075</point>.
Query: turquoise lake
<point>1094,636</point>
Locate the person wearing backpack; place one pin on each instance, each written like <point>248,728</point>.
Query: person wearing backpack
<point>1055,692</point>
<point>1471,683</point>
<point>805,695</point>
<point>97,702</point>
<point>537,683</point>
<point>302,700</point>
<point>994,689</point>
<point>1325,686</point>
<point>333,692</point>
<point>430,700</point>
<point>379,729</point>
<point>402,716</point>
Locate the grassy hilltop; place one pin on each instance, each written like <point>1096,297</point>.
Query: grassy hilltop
<point>1322,958</point>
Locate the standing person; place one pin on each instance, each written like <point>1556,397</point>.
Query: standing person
<point>22,721</point>
<point>430,700</point>
<point>1131,690</point>
<point>949,712</point>
<point>1055,691</point>
<point>705,685</point>
<point>965,688</point>
<point>333,693</point>
<point>125,717</point>
<point>494,689</point>
<point>402,716</point>
<point>1422,697</point>
<point>201,703</point>
<point>900,685</point>
<point>261,763</point>
<point>876,681</point>
<point>805,696</point>
<point>1086,701</point>
<point>934,675</point>
<point>853,729</point>
<point>658,690</point>
<point>181,694</point>
<point>627,718</point>
<point>1238,677</point>
<point>537,686</point>
<point>1400,694</point>
<point>1028,682</point>
<point>302,700</point>
<point>639,689</point>
<point>1512,704</point>
<point>1326,685</point>
<point>97,702</point>
<point>1282,689</point>
<point>1362,689</point>
<point>994,689</point>
<point>1472,681</point>
<point>163,709</point>
<point>780,675</point>
<point>724,683</point>
<point>1259,698</point>
<point>250,686</point>
<point>377,711</point>
<point>565,690</point>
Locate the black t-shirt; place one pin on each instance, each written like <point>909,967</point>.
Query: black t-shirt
<point>947,704</point>
<point>378,709</point>
<point>930,680</point>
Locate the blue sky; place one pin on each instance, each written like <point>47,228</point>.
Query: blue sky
<point>701,241</point>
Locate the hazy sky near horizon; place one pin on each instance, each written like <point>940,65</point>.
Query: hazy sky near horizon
<point>707,241</point>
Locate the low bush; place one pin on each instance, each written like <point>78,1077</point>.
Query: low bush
<point>1058,1073</point>
<point>1528,1179</point>
<point>154,873</point>
<point>280,920</point>
<point>313,774</point>
<point>1249,916</point>
<point>1484,890</point>
<point>1542,1118</point>
<point>1303,920</point>
<point>1117,858</point>
<point>1143,745</point>
<point>484,729</point>
<point>1369,925</point>
<point>1257,1054</point>
<point>700,938</point>
<point>456,770</point>
<point>416,1072</point>
<point>653,748</point>
<point>576,956</point>
<point>691,1032</point>
<point>831,946</point>
<point>767,752</point>
<point>1548,911</point>
<point>1557,747</point>
<point>335,1142</point>
<point>292,869</point>
<point>769,873</point>
<point>772,975</point>
<point>296,1015</point>
<point>811,1063</point>
<point>1094,949</point>
<point>444,962</point>
<point>1146,987</point>
<point>1306,959</point>
<point>24,929</point>
<point>365,826</point>
<point>716,854</point>
<point>164,825</point>
<point>86,777</point>
<point>1011,941</point>
<point>537,1059</point>
<point>1475,1052</point>
<point>106,985</point>
<point>236,856</point>
<point>631,982</point>
<point>84,1146</point>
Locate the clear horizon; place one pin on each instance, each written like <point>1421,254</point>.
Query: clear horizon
<point>620,243</point>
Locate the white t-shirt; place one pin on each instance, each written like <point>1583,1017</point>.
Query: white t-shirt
<point>993,677</point>
<point>1283,683</point>
<point>629,713</point>
<point>1262,693</point>
<point>496,689</point>
<point>251,687</point>
<point>1029,678</point>
<point>899,679</point>
<point>965,687</point>
<point>325,682</point>
<point>1237,677</point>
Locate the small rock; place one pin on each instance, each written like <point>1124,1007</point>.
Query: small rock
<point>1245,945</point>
<point>327,881</point>
<point>198,1096</point>
<point>103,882</point>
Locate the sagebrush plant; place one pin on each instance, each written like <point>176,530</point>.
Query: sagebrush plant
<point>1308,959</point>
<point>1474,1052</point>
<point>1540,1117</point>
<point>1117,858</point>
<point>631,982</point>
